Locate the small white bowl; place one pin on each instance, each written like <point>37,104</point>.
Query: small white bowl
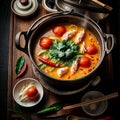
<point>94,109</point>
<point>18,87</point>
<point>24,11</point>
<point>47,8</point>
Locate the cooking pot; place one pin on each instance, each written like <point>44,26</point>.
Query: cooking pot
<point>40,26</point>
<point>86,7</point>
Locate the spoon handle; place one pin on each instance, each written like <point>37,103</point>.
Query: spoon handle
<point>87,102</point>
<point>102,4</point>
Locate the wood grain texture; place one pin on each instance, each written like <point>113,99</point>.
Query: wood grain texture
<point>18,24</point>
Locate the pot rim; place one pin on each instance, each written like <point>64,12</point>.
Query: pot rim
<point>93,23</point>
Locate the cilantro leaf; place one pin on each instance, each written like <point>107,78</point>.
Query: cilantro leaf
<point>63,50</point>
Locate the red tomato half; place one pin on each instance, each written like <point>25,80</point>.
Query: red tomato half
<point>91,49</point>
<point>85,62</point>
<point>32,92</point>
<point>45,42</point>
<point>59,30</point>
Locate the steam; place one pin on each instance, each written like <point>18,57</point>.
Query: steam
<point>85,20</point>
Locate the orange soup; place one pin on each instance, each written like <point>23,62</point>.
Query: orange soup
<point>67,52</point>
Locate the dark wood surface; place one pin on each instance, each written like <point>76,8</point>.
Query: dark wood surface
<point>109,71</point>
<point>4,40</point>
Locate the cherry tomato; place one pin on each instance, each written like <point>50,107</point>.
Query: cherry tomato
<point>32,92</point>
<point>91,49</point>
<point>84,62</point>
<point>59,30</point>
<point>45,42</point>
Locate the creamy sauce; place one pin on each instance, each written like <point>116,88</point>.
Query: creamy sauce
<point>88,39</point>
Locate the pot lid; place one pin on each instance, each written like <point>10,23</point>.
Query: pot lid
<point>24,7</point>
<point>92,8</point>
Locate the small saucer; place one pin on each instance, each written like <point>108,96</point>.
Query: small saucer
<point>19,85</point>
<point>97,108</point>
<point>24,10</point>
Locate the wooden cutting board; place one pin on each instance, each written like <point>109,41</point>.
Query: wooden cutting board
<point>18,24</point>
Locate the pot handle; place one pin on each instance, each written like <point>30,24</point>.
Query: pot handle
<point>32,28</point>
<point>17,42</point>
<point>109,37</point>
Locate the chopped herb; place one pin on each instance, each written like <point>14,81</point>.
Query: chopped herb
<point>69,62</point>
<point>41,65</point>
<point>52,69</point>
<point>65,51</point>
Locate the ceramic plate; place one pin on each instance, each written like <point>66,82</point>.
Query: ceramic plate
<point>18,86</point>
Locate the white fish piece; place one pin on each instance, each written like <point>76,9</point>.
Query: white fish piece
<point>79,36</point>
<point>82,48</point>
<point>68,34</point>
<point>74,67</point>
<point>62,71</point>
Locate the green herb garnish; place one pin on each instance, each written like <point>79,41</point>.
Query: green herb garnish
<point>19,64</point>
<point>65,51</point>
<point>41,65</point>
<point>52,108</point>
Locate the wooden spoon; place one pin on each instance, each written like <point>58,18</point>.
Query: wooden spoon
<point>87,102</point>
<point>73,117</point>
<point>102,4</point>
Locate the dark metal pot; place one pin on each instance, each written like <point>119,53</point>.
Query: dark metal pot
<point>40,26</point>
<point>86,7</point>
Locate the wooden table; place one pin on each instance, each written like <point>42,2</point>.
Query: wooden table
<point>106,72</point>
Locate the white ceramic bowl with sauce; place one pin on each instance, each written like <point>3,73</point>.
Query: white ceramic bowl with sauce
<point>18,86</point>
